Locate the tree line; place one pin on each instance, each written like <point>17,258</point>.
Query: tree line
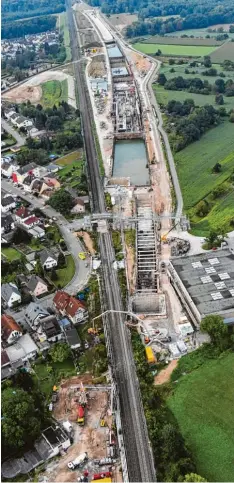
<point>187,123</point>
<point>197,85</point>
<point>14,9</point>
<point>13,30</point>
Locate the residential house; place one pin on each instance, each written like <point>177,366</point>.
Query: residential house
<point>21,121</point>
<point>70,306</point>
<point>21,173</point>
<point>53,168</point>
<point>7,168</point>
<point>24,349</point>
<point>52,182</point>
<point>8,113</point>
<point>73,339</point>
<point>34,314</point>
<point>36,185</point>
<point>10,295</point>
<point>85,199</point>
<point>61,300</point>
<point>7,203</point>
<point>49,330</point>
<point>79,206</point>
<point>13,117</point>
<point>37,232</point>
<point>7,224</point>
<point>28,181</point>
<point>36,286</point>
<point>48,259</point>
<point>11,331</point>
<point>7,238</point>
<point>76,310</point>
<point>30,222</point>
<point>22,214</point>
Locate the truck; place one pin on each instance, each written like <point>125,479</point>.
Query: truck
<point>102,480</point>
<point>182,347</point>
<point>105,461</point>
<point>174,350</point>
<point>77,462</point>
<point>151,359</point>
<point>80,415</point>
<point>100,476</point>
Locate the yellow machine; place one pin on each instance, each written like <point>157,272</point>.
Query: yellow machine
<point>164,237</point>
<point>82,255</point>
<point>102,423</point>
<point>151,359</point>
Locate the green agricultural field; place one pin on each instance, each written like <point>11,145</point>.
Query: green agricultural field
<point>194,163</point>
<point>225,52</point>
<point>54,92</point>
<point>11,254</point>
<point>63,27</point>
<point>195,72</point>
<point>202,403</point>
<point>157,39</point>
<point>164,96</point>
<point>178,50</point>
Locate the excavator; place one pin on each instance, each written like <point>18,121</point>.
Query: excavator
<point>164,237</point>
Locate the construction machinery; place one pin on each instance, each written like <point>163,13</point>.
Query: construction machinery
<point>164,237</point>
<point>77,462</point>
<point>81,406</point>
<point>151,359</point>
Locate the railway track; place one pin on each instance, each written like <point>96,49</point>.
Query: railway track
<point>139,458</point>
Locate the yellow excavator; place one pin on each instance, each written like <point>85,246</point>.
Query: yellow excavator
<point>164,237</point>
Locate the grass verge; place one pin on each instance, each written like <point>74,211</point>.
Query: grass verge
<point>178,50</point>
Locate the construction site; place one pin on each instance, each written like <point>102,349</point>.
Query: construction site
<point>84,411</point>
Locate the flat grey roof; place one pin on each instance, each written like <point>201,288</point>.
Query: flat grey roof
<point>209,280</point>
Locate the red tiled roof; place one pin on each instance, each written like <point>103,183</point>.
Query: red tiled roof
<point>22,212</point>
<point>61,300</point>
<point>4,358</point>
<point>31,220</point>
<point>8,325</point>
<point>73,306</point>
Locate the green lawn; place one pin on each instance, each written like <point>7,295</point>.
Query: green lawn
<point>75,168</point>
<point>47,381</point>
<point>70,158</point>
<point>203,406</point>
<point>54,92</point>
<point>11,254</point>
<point>62,24</point>
<point>65,274</point>
<point>178,50</point>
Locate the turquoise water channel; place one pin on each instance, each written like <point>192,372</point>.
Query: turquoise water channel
<point>130,160</point>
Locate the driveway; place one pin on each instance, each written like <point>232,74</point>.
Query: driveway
<point>8,128</point>
<point>73,243</point>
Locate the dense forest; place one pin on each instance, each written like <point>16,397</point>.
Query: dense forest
<point>17,9</point>
<point>193,14</point>
<point>35,25</point>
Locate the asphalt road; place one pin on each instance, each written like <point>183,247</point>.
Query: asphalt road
<point>139,458</point>
<point>73,244</point>
<point>8,128</point>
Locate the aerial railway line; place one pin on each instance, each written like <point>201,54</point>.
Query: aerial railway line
<point>140,465</point>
